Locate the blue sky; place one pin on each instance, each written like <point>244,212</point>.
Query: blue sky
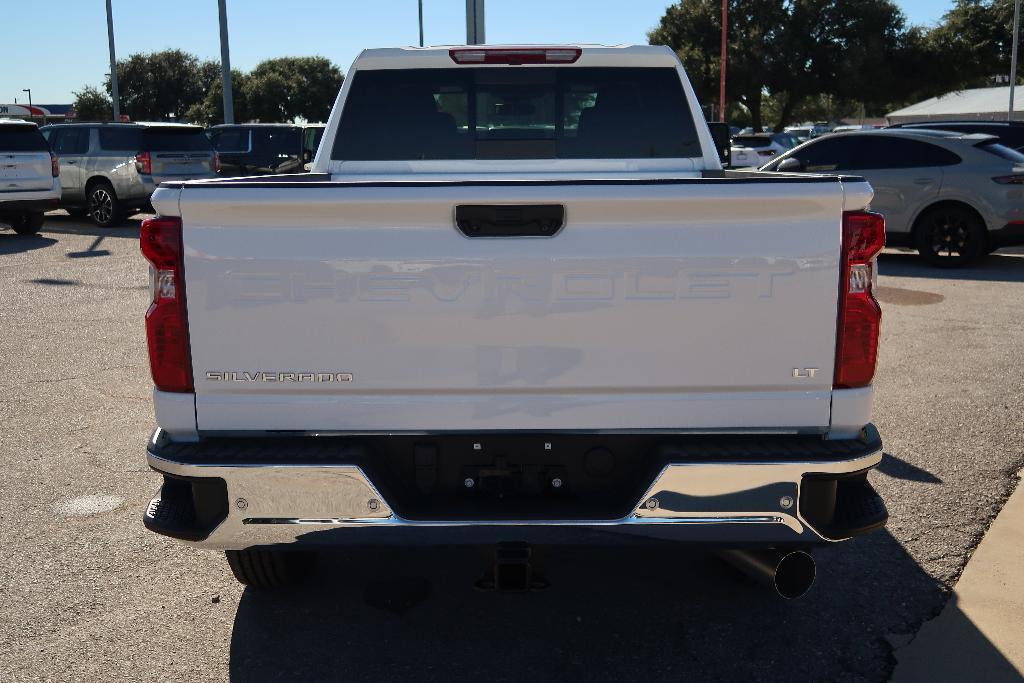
<point>61,45</point>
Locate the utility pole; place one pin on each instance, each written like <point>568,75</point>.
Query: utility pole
<point>113,64</point>
<point>421,23</point>
<point>1013,56</point>
<point>475,22</point>
<point>225,64</point>
<point>721,83</point>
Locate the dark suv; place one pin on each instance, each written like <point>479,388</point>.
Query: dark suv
<point>109,170</point>
<point>1010,133</point>
<point>265,148</point>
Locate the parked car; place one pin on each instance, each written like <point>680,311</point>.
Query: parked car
<point>1010,133</point>
<point>806,132</point>
<point>265,148</point>
<point>29,185</point>
<point>851,127</point>
<point>533,321</point>
<point>108,171</point>
<point>755,149</point>
<point>952,196</point>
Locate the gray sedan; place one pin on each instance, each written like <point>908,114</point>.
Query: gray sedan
<point>952,196</point>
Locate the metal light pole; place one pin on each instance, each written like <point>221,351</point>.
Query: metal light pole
<point>721,83</point>
<point>30,114</point>
<point>421,23</point>
<point>1013,56</point>
<point>113,64</point>
<point>475,22</point>
<point>225,64</point>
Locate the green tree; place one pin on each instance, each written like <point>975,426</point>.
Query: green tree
<point>162,85</point>
<point>788,50</point>
<point>92,104</point>
<point>288,88</point>
<point>974,42</point>
<point>210,110</point>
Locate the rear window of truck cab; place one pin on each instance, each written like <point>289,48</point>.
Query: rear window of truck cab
<point>516,113</point>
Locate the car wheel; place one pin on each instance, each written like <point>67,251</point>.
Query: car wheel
<point>27,223</point>
<point>261,568</point>
<point>104,208</point>
<point>949,236</point>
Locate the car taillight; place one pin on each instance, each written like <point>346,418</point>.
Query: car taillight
<point>516,55</point>
<point>54,165</point>
<point>143,163</point>
<point>1010,179</point>
<point>216,162</point>
<point>859,314</point>
<point>166,321</point>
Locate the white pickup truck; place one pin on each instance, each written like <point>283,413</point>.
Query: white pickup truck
<point>516,299</point>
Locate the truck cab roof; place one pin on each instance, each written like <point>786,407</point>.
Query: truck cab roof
<point>440,56</point>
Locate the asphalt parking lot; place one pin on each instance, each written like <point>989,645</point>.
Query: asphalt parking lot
<point>87,593</point>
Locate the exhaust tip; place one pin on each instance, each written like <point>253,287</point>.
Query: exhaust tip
<point>789,572</point>
<point>794,574</point>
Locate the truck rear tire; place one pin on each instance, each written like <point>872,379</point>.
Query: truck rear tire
<point>27,223</point>
<point>261,568</point>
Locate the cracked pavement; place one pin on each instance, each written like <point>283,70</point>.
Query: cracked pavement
<point>93,595</point>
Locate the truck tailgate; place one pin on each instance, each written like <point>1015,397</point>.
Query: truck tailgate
<point>694,304</point>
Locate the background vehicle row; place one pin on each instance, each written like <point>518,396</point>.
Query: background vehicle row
<point>28,176</point>
<point>109,171</point>
<point>952,196</point>
<point>265,148</point>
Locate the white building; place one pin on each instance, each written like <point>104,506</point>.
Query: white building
<point>974,104</point>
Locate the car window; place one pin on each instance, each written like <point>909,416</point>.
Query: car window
<point>71,140</point>
<point>22,139</point>
<point>1011,136</point>
<point>752,141</point>
<point>276,143</point>
<point>230,140</point>
<point>175,140</point>
<point>115,139</point>
<point>889,151</point>
<point>1002,151</point>
<point>515,113</point>
<point>312,139</point>
<point>826,155</point>
<point>786,140</point>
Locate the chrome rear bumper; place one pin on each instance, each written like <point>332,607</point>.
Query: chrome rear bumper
<point>743,501</point>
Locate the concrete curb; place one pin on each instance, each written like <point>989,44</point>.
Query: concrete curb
<point>979,635</point>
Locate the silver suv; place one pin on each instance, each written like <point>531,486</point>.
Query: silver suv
<point>109,170</point>
<point>28,177</point>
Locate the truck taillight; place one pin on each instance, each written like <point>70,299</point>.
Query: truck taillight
<point>166,321</point>
<point>144,163</point>
<point>516,55</point>
<point>859,314</point>
<point>54,165</point>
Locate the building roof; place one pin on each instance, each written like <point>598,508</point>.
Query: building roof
<point>972,103</point>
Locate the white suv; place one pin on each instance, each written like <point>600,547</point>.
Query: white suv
<point>29,185</point>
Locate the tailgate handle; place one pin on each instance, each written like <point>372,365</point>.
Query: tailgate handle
<point>509,220</point>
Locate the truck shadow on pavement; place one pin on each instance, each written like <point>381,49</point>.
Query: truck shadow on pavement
<point>610,613</point>
<point>997,267</point>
